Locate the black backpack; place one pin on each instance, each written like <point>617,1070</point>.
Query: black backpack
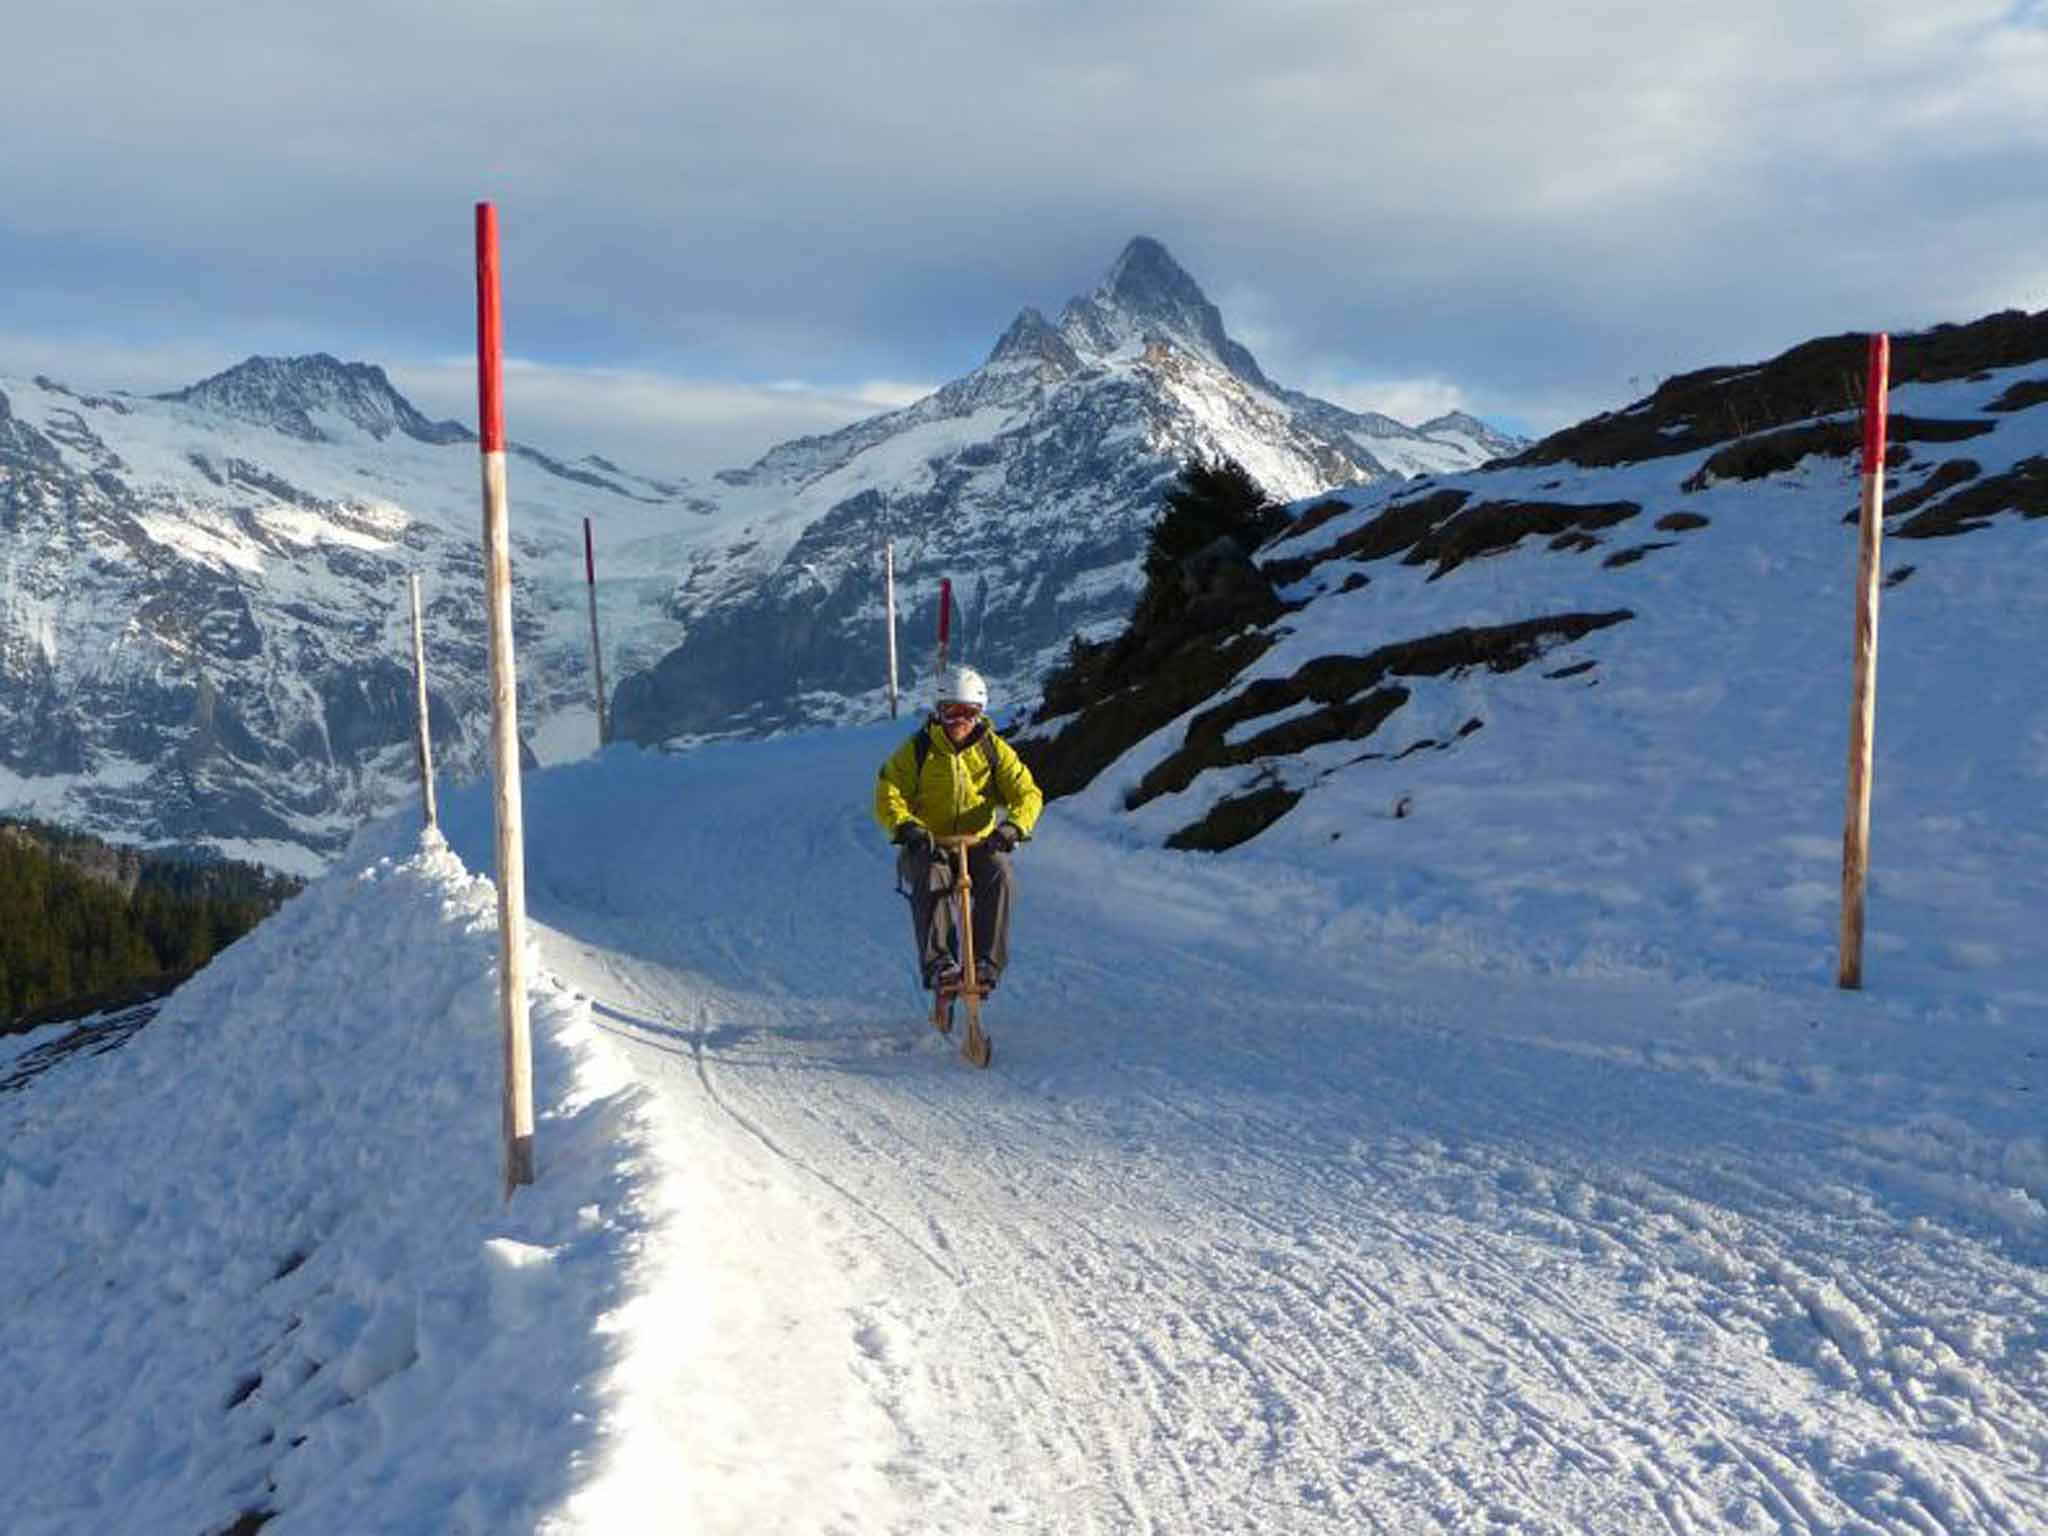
<point>921,748</point>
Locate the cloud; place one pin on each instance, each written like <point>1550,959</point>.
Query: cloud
<point>94,363</point>
<point>1410,401</point>
<point>656,424</point>
<point>1530,203</point>
<point>653,423</point>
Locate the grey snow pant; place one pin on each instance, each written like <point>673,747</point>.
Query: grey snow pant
<point>929,879</point>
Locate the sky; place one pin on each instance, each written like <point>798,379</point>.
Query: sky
<point>728,223</point>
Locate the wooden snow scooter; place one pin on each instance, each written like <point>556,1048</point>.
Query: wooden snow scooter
<point>977,1048</point>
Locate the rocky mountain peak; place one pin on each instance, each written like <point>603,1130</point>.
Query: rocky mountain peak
<point>1456,421</point>
<point>1032,340</point>
<point>287,394</point>
<point>1464,424</point>
<point>1147,297</point>
<point>1146,280</point>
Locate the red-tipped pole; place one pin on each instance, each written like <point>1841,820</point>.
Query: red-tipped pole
<point>511,842</point>
<point>1876,405</point>
<point>1863,701</point>
<point>490,335</point>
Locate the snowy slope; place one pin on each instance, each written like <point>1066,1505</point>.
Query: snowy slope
<point>257,1257</point>
<point>1297,1198</point>
<point>1451,643</point>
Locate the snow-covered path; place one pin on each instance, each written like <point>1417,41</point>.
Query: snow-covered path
<point>1251,1229</point>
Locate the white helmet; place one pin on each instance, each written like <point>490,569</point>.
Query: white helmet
<point>962,685</point>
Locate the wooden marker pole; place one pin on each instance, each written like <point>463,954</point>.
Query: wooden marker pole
<point>945,623</point>
<point>1863,704</point>
<point>424,746</point>
<point>596,651</point>
<point>889,612</point>
<point>511,848</point>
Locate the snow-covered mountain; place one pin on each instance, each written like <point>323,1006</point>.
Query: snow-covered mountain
<point>1029,482</point>
<point>204,619</point>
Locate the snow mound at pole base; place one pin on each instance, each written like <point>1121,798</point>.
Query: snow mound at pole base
<point>260,1261</point>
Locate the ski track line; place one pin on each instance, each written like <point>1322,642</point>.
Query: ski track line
<point>1136,1364</point>
<point>695,1035</point>
<point>1791,1481</point>
<point>1571,1449</point>
<point>1785,1481</point>
<point>1326,1321</point>
<point>1298,1330</point>
<point>1087,1441</point>
<point>1764,1462</point>
<point>1778,1474</point>
<point>1087,1447</point>
<point>959,1274</point>
<point>1881,1384</point>
<point>1147,1377</point>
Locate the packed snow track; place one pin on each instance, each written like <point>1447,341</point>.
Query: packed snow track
<point>1249,1229</point>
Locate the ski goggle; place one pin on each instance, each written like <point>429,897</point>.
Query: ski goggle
<point>957,709</point>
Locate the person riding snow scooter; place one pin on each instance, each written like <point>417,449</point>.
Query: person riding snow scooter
<point>947,782</point>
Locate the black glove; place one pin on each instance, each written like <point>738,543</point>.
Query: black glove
<point>1006,837</point>
<point>914,836</point>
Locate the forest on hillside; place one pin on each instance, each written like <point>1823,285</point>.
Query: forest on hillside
<point>79,918</point>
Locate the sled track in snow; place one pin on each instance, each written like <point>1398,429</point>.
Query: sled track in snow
<point>1134,1314</point>
<point>1217,1246</point>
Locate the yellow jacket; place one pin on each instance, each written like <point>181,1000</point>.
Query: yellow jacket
<point>957,791</point>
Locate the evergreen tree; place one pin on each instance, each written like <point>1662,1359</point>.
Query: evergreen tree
<point>1209,500</point>
<point>70,926</point>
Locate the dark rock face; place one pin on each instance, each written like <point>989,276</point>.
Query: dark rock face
<point>1446,528</point>
<point>1238,819</point>
<point>2022,489</point>
<point>1351,694</point>
<point>1772,453</point>
<point>1818,379</point>
<point>1220,588</point>
<point>1069,758</point>
<point>2022,396</point>
<point>284,394</point>
<point>753,663</point>
<point>1031,339</point>
<point>366,708</point>
<point>1682,522</point>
